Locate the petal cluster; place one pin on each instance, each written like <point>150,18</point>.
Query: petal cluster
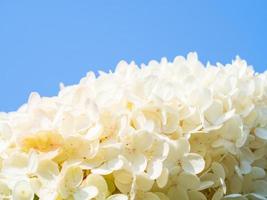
<point>161,131</point>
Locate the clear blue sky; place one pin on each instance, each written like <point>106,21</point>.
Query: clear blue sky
<point>43,43</point>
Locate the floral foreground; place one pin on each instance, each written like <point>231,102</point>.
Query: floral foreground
<point>177,131</point>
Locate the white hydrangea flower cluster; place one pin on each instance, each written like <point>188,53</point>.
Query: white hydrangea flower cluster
<point>166,131</point>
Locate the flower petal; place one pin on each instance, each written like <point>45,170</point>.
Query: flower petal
<point>23,191</point>
<point>162,180</point>
<point>196,195</point>
<point>261,133</point>
<point>188,181</point>
<point>154,169</point>
<point>98,182</point>
<point>259,187</point>
<point>193,163</point>
<point>108,167</point>
<point>88,192</point>
<point>118,197</point>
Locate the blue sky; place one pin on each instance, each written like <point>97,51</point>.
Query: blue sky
<point>43,43</point>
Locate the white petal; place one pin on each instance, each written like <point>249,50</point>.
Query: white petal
<point>261,133</point>
<point>94,132</point>
<point>161,196</point>
<point>245,166</point>
<point>73,177</point>
<point>256,196</point>
<point>234,197</point>
<point>118,197</point>
<point>138,162</point>
<point>257,173</point>
<point>98,182</point>
<point>171,120</point>
<point>144,183</point>
<point>209,177</point>
<point>16,160</point>
<point>123,188</point>
<point>188,181</point>
<point>23,191</point>
<point>176,193</point>
<point>163,179</point>
<point>182,146</point>
<point>4,189</point>
<point>47,169</point>
<point>193,163</point>
<point>235,184</point>
<point>154,169</point>
<point>108,167</point>
<point>218,169</point>
<point>196,195</point>
<point>214,111</point>
<point>142,140</point>
<point>205,184</point>
<point>226,116</point>
<point>218,195</point>
<point>150,196</point>
<point>159,150</point>
<point>259,187</point>
<point>86,193</point>
<point>201,97</point>
<point>122,176</point>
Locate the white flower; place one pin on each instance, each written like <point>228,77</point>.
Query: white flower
<point>162,131</point>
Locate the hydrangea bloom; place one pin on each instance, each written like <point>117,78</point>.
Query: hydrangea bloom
<point>162,131</point>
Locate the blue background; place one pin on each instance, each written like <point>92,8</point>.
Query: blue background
<point>43,43</point>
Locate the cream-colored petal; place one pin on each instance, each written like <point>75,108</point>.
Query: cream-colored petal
<point>108,167</point>
<point>122,176</point>
<point>142,140</point>
<point>22,191</point>
<point>4,189</point>
<point>94,132</point>
<point>193,163</point>
<point>73,177</point>
<point>196,195</point>
<point>137,161</point>
<point>175,193</point>
<point>257,173</point>
<point>47,169</point>
<point>118,197</point>
<point>162,180</point>
<point>218,169</point>
<point>234,197</point>
<point>99,182</point>
<point>218,195</point>
<point>261,133</point>
<point>143,182</point>
<point>161,196</point>
<point>188,181</point>
<point>123,187</point>
<point>150,196</point>
<point>259,187</point>
<point>154,169</point>
<point>205,185</point>
<point>214,111</point>
<point>171,122</point>
<point>88,192</point>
